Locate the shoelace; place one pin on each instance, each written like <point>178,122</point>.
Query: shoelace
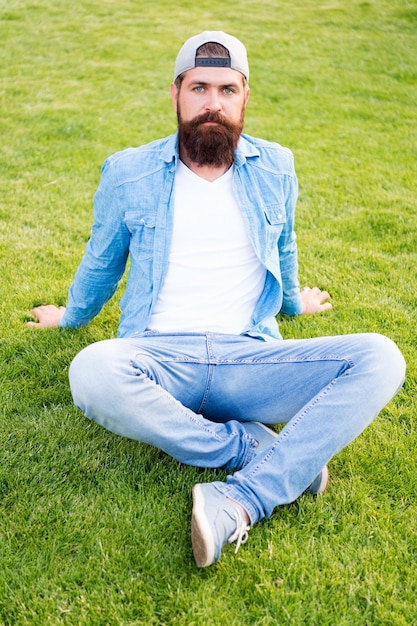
<point>241,532</point>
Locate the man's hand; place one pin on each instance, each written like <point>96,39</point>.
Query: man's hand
<point>314,300</point>
<point>48,316</point>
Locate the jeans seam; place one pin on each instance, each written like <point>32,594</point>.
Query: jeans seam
<point>291,425</point>
<point>207,387</point>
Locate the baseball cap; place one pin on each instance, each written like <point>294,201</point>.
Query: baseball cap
<point>186,59</point>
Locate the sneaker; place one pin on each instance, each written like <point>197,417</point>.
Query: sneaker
<point>215,522</point>
<point>319,484</point>
<point>263,435</point>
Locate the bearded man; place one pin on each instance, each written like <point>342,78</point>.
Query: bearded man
<point>199,368</point>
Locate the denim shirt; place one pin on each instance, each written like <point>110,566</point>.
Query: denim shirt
<point>133,218</point>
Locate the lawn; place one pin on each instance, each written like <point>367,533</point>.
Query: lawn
<point>94,529</point>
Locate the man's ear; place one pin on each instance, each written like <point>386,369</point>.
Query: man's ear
<point>174,96</point>
<point>247,94</point>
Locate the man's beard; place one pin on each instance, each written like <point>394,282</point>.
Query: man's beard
<point>212,145</point>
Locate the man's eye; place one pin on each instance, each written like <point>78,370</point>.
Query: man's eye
<point>199,89</point>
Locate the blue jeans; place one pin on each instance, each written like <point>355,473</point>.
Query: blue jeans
<point>190,395</point>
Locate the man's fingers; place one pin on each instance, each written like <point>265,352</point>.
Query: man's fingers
<point>326,306</point>
<point>324,295</point>
<point>47,315</point>
<point>314,300</point>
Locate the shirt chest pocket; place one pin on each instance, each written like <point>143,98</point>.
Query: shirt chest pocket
<point>275,215</point>
<point>274,222</point>
<point>142,233</point>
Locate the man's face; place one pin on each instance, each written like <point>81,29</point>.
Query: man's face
<point>211,89</point>
<point>210,106</point>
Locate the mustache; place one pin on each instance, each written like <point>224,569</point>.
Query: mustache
<point>211,116</point>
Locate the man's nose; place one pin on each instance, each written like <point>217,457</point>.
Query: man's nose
<point>213,101</point>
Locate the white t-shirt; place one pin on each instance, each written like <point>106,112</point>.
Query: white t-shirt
<point>214,279</point>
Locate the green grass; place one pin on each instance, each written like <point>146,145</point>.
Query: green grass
<point>94,529</point>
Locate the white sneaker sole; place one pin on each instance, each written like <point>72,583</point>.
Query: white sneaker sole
<point>201,534</point>
<point>325,474</point>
